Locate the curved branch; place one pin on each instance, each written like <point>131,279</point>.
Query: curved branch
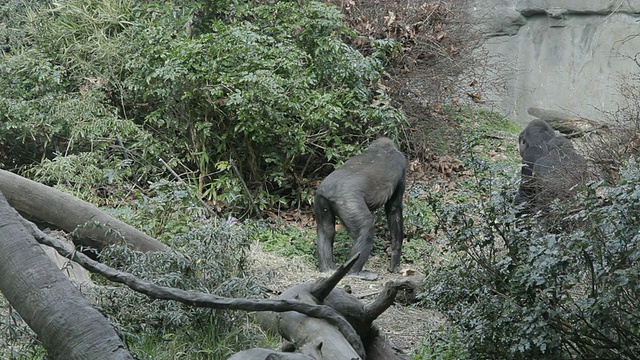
<point>323,287</point>
<point>201,299</point>
<point>385,299</point>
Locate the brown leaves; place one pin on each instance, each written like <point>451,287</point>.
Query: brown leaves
<point>405,21</point>
<point>439,165</point>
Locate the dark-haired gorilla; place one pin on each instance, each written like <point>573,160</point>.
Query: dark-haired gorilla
<point>364,183</point>
<point>532,143</point>
<point>560,169</point>
<point>551,166</point>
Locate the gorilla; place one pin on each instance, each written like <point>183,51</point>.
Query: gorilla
<point>560,169</point>
<point>364,183</point>
<point>551,166</point>
<point>532,143</point>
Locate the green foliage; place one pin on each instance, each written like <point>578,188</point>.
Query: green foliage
<point>419,222</point>
<point>526,288</point>
<point>272,88</point>
<point>166,211</point>
<point>19,342</point>
<point>214,259</point>
<point>286,240</point>
<point>41,122</point>
<point>444,344</point>
<point>267,91</point>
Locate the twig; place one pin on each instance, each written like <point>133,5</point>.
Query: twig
<point>179,179</point>
<point>246,188</point>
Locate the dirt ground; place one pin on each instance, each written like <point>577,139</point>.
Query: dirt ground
<point>404,325</point>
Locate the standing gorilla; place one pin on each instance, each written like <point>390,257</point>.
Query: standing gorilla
<point>364,183</point>
<point>551,166</point>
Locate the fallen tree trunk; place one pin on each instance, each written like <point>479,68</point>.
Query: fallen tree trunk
<point>66,324</point>
<point>91,226</point>
<point>310,352</point>
<point>569,125</point>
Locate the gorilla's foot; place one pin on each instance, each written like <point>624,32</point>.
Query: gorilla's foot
<point>365,275</point>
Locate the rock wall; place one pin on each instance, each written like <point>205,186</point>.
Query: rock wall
<point>570,55</point>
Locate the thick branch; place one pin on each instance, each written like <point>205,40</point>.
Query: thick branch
<point>571,125</point>
<point>323,287</point>
<point>93,227</point>
<point>200,299</point>
<point>385,299</point>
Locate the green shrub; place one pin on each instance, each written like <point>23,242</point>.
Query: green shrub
<point>443,344</point>
<point>213,259</point>
<point>245,101</point>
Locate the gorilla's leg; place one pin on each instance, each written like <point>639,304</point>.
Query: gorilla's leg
<point>326,228</point>
<point>393,210</point>
<point>359,221</point>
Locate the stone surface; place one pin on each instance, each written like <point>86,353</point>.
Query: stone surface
<point>569,55</point>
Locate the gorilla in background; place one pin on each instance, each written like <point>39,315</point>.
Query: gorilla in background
<point>551,166</point>
<point>560,169</point>
<point>532,143</point>
<point>364,183</point>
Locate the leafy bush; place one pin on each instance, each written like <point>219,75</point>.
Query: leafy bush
<point>214,259</point>
<point>245,100</point>
<point>524,288</point>
<point>442,347</point>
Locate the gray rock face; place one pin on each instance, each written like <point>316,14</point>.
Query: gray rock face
<point>569,55</point>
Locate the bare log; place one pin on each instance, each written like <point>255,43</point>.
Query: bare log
<point>67,326</point>
<point>300,329</point>
<point>361,317</point>
<point>93,227</point>
<point>309,352</point>
<point>570,125</point>
<point>378,347</point>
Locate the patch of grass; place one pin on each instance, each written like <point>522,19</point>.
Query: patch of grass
<point>213,341</point>
<point>284,239</point>
<point>443,344</point>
